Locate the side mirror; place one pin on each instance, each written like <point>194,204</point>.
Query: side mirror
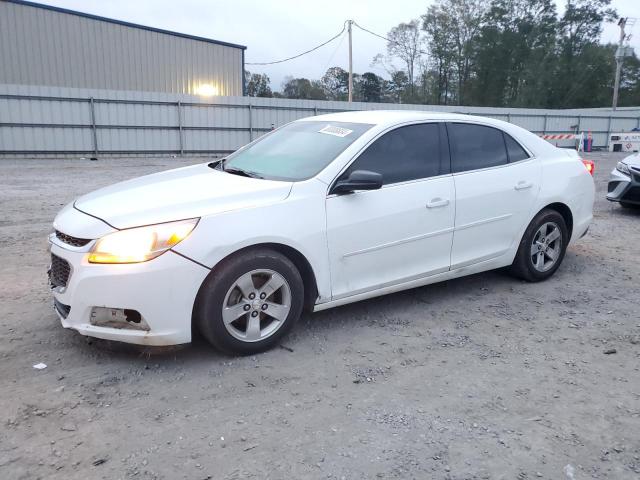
<point>358,180</point>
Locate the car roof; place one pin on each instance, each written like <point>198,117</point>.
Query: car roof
<point>388,118</point>
<point>392,117</point>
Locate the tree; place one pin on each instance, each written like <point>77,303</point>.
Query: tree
<point>581,23</point>
<point>452,28</point>
<point>369,87</point>
<point>580,27</point>
<point>398,85</point>
<point>336,83</point>
<point>594,86</point>
<point>303,88</point>
<point>404,43</point>
<point>495,53</point>
<point>630,82</point>
<point>257,85</point>
<point>437,24</point>
<point>514,53</point>
<point>464,32</point>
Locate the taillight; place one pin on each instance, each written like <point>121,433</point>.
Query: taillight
<point>589,165</point>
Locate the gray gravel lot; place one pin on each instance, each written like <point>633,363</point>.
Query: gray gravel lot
<point>484,377</point>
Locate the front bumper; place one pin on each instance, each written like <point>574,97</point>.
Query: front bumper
<point>624,188</point>
<point>162,290</point>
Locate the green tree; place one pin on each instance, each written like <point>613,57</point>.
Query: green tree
<point>468,15</point>
<point>630,82</point>
<point>303,88</point>
<point>369,87</point>
<point>492,52</point>
<point>437,24</point>
<point>257,85</point>
<point>594,85</point>
<point>580,29</point>
<point>397,86</point>
<point>515,50</point>
<point>336,83</point>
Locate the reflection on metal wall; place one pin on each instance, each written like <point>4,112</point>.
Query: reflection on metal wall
<point>42,45</point>
<point>81,122</point>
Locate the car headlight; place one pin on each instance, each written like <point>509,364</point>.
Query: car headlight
<point>623,168</point>
<point>140,244</point>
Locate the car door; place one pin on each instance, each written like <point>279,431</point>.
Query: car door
<point>403,230</point>
<point>496,184</point>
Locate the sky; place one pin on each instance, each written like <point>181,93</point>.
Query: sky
<point>276,29</point>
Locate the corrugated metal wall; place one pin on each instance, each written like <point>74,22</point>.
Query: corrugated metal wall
<point>42,46</point>
<point>83,122</point>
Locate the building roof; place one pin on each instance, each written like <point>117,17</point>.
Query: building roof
<point>125,24</point>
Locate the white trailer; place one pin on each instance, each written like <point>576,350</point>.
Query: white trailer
<point>624,142</point>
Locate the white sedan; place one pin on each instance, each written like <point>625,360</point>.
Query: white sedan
<point>321,212</point>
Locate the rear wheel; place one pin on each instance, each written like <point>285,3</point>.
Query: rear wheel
<point>542,247</point>
<point>248,303</point>
<point>630,205</point>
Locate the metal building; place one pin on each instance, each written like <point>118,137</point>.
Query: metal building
<point>49,46</point>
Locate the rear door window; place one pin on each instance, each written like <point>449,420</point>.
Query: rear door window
<point>475,146</point>
<point>514,149</point>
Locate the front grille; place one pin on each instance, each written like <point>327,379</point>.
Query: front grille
<point>61,308</point>
<point>69,240</point>
<point>60,271</point>
<point>631,195</point>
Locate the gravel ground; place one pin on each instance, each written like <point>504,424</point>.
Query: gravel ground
<point>484,377</point>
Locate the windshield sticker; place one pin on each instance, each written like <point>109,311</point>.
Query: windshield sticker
<point>336,131</point>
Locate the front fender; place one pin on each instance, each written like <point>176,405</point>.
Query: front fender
<point>297,222</point>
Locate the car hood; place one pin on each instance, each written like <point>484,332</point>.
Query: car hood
<point>187,192</point>
<point>633,160</point>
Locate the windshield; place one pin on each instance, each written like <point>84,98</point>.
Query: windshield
<point>296,151</point>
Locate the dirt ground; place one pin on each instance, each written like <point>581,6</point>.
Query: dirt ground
<point>484,377</point>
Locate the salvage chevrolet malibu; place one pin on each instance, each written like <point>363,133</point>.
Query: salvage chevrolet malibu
<point>321,212</point>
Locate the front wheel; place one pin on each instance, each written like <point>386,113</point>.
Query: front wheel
<point>542,247</point>
<point>249,302</point>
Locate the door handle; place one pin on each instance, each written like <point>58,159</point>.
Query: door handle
<point>438,202</point>
<point>522,185</point>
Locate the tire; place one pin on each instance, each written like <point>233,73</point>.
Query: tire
<point>246,283</point>
<point>553,251</point>
<point>630,206</point>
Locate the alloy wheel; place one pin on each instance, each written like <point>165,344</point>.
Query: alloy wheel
<point>256,305</point>
<point>546,246</point>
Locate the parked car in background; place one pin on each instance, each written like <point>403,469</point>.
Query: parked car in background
<point>321,212</point>
<point>624,183</point>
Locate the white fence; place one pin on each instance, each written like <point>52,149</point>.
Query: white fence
<point>50,121</point>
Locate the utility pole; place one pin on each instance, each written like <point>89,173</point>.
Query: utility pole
<point>619,58</point>
<point>349,22</point>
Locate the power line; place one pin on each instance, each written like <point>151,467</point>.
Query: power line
<point>372,33</point>
<point>303,53</point>
<point>329,41</point>
<point>334,52</point>
<point>384,38</point>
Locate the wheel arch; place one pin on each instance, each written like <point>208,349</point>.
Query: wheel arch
<point>299,260</point>
<point>564,210</point>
